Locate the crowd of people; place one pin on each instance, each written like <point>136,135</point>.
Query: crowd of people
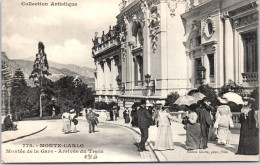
<point>202,123</point>
<point>70,121</point>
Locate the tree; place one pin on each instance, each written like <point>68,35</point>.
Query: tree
<point>209,93</point>
<point>18,79</point>
<point>40,71</point>
<point>171,98</point>
<point>73,95</point>
<point>19,86</point>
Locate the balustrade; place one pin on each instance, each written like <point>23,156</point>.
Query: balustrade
<point>250,77</point>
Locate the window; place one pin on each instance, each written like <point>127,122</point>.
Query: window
<point>138,69</point>
<point>211,67</point>
<point>198,41</point>
<point>250,52</point>
<point>197,64</point>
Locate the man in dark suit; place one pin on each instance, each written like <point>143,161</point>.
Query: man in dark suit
<point>144,120</point>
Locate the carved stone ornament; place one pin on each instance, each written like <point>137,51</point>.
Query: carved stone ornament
<point>209,27</point>
<point>172,5</point>
<point>154,27</point>
<point>246,20</point>
<point>122,37</point>
<point>144,8</point>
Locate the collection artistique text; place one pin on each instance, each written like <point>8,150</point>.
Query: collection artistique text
<point>48,4</point>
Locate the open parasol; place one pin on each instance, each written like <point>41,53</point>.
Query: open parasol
<point>185,100</point>
<point>230,96</point>
<point>198,96</point>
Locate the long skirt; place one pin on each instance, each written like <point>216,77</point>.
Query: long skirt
<point>164,139</point>
<point>223,135</point>
<point>127,119</point>
<point>66,125</point>
<point>193,136</point>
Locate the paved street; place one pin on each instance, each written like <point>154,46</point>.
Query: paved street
<point>110,143</point>
<point>114,141</point>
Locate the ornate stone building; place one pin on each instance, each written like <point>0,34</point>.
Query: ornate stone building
<point>163,46</point>
<point>6,86</point>
<point>222,36</point>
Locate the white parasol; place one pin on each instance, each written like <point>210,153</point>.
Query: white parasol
<point>230,96</point>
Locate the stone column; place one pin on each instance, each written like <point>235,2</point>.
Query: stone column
<point>101,77</point>
<point>106,78</point>
<point>229,54</point>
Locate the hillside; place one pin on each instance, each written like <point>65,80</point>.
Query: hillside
<point>56,69</point>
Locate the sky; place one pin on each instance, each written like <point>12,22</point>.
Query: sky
<point>66,32</point>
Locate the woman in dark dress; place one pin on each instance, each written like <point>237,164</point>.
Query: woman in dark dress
<point>204,120</point>
<point>193,132</point>
<point>126,116</point>
<point>249,137</point>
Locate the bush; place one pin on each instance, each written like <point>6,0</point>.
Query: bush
<point>171,98</point>
<point>111,105</point>
<point>101,105</point>
<point>209,93</point>
<point>230,87</point>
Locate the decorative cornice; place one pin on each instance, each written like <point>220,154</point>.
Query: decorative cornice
<point>246,20</point>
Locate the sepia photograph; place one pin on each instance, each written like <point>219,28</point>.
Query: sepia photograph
<point>115,81</point>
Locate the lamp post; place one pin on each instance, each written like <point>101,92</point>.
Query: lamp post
<point>148,81</point>
<point>201,74</point>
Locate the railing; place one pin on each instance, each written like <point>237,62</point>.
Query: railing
<point>235,118</point>
<point>250,77</point>
<point>106,46</point>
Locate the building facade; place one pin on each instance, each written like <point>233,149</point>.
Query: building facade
<point>164,46</point>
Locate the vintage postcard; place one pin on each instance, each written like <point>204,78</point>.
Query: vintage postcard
<point>129,81</point>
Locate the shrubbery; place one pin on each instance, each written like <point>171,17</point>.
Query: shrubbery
<point>101,105</point>
<point>171,98</point>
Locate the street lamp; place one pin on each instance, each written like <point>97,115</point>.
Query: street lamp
<point>148,80</point>
<point>201,73</point>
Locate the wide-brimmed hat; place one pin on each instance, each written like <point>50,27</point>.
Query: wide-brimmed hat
<point>222,101</point>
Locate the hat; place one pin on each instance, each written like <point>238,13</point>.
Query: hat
<point>72,110</point>
<point>222,101</point>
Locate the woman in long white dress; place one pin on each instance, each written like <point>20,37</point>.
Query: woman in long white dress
<point>73,121</point>
<point>66,122</point>
<point>164,140</point>
<point>223,122</point>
